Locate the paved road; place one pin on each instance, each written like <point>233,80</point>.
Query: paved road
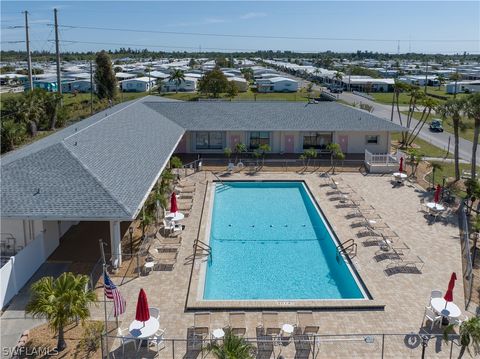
<point>440,140</point>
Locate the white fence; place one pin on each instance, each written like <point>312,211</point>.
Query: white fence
<point>17,270</point>
<point>381,162</point>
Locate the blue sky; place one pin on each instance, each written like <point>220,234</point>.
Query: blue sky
<point>348,25</point>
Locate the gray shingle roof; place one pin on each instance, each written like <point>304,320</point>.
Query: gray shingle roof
<point>100,168</point>
<point>271,116</point>
<point>51,182</point>
<point>103,167</point>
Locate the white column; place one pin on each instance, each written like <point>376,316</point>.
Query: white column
<point>116,243</point>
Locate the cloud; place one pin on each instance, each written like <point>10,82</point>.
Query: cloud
<point>40,21</point>
<point>252,15</point>
<point>213,21</point>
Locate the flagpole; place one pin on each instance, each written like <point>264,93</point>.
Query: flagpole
<point>104,296</point>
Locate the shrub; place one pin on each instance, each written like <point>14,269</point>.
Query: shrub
<point>90,341</point>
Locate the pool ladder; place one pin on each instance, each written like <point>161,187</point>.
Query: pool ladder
<point>202,249</point>
<point>349,248</point>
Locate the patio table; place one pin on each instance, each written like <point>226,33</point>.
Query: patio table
<point>400,177</point>
<point>218,333</point>
<point>435,206</point>
<point>446,309</point>
<point>144,330</point>
<point>177,216</point>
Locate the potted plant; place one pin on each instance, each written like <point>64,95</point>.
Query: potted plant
<point>227,151</point>
<point>263,150</point>
<point>239,148</point>
<point>469,332</point>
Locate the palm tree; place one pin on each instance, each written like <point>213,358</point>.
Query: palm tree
<point>454,108</point>
<point>435,166</point>
<point>335,153</point>
<point>338,76</point>
<point>264,148</point>
<point>472,110</point>
<point>61,301</point>
<point>177,76</point>
<point>428,104</point>
<point>231,347</point>
<point>469,332</point>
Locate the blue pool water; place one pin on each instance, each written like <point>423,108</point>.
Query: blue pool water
<point>269,241</point>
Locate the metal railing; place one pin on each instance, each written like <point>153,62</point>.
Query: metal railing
<point>418,345</point>
<point>467,267</point>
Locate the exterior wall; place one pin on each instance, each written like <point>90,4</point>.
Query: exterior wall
<point>42,238</point>
<point>357,142</point>
<point>134,86</point>
<point>285,86</point>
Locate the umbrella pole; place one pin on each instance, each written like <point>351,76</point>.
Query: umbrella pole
<point>104,298</point>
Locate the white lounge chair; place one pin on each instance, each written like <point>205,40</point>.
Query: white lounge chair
<point>158,339</point>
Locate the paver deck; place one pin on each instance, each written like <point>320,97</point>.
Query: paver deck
<point>404,295</point>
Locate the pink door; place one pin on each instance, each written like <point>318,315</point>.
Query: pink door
<point>343,140</point>
<point>182,145</point>
<point>289,144</point>
<point>234,140</point>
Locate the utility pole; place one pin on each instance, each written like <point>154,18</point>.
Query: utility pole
<point>57,48</point>
<point>426,77</point>
<point>29,56</point>
<point>91,88</point>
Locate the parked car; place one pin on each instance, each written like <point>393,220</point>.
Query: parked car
<point>436,125</point>
<point>336,90</point>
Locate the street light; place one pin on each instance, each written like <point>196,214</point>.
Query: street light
<point>130,230</point>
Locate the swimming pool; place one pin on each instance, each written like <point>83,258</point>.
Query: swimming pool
<point>270,242</point>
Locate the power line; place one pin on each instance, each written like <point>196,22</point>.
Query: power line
<point>260,36</point>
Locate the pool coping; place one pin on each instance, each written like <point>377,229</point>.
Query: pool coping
<point>195,293</point>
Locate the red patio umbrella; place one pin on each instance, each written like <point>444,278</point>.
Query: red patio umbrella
<point>173,203</point>
<point>449,294</point>
<point>400,169</point>
<point>436,198</point>
<point>143,313</point>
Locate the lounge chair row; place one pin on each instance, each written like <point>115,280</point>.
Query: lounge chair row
<point>305,323</point>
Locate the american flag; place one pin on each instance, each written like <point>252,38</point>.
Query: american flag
<point>111,292</point>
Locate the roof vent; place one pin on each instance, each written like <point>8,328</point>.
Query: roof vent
<point>37,192</point>
<point>75,143</point>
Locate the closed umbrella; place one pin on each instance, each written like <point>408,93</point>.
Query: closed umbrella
<point>143,313</point>
<point>173,203</point>
<point>436,197</point>
<point>400,169</point>
<point>451,284</point>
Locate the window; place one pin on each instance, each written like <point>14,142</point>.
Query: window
<point>209,140</point>
<point>317,140</point>
<point>372,140</point>
<point>259,138</point>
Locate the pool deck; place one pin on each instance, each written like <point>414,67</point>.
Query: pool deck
<point>401,297</point>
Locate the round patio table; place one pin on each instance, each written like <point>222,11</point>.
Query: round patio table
<point>435,206</point>
<point>218,333</point>
<point>177,216</point>
<point>287,328</point>
<point>144,330</point>
<point>450,311</point>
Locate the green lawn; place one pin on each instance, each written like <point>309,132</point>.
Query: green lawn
<point>448,170</point>
<point>424,147</point>
<point>301,95</point>
<point>386,97</point>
